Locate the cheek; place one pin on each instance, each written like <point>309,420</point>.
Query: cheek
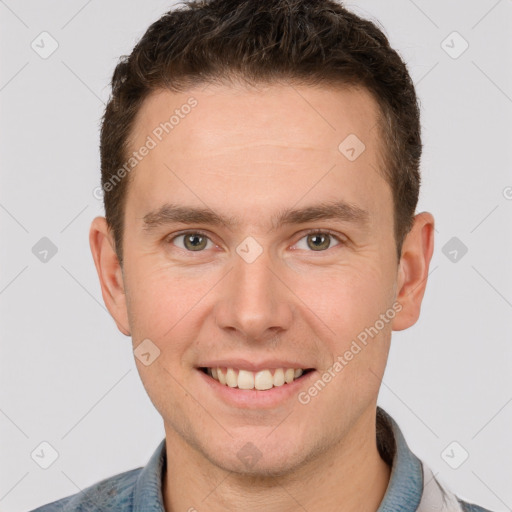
<point>351,303</point>
<point>348,298</point>
<point>160,298</point>
<point>161,308</point>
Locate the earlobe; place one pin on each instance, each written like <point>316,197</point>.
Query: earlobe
<point>109,272</point>
<point>417,251</point>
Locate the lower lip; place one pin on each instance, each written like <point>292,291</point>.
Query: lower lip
<point>253,398</point>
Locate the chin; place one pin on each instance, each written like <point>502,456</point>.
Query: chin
<point>259,459</point>
<point>263,468</point>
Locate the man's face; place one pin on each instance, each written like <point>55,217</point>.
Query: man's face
<point>259,293</point>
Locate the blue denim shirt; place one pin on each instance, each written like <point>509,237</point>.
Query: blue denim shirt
<point>411,488</point>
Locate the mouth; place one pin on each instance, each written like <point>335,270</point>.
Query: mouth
<point>261,380</point>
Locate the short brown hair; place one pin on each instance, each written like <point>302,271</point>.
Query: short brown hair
<point>310,42</point>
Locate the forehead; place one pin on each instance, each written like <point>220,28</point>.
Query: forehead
<point>312,116</point>
<point>239,146</point>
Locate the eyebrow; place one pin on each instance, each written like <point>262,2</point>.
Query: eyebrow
<point>172,213</point>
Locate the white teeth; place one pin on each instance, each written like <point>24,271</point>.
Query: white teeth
<point>221,377</point>
<point>262,380</point>
<point>245,379</point>
<point>279,377</point>
<point>231,378</point>
<point>289,375</point>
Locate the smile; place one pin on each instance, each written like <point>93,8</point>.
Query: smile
<point>260,380</point>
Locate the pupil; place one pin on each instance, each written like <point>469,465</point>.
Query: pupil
<point>319,242</point>
<point>195,241</point>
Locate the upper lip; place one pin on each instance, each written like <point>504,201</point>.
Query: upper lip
<point>243,364</point>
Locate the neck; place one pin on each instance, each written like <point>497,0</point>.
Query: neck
<point>350,475</point>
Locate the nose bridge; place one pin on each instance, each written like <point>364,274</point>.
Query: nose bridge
<point>254,301</point>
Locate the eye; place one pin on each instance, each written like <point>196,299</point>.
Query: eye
<point>318,241</point>
<point>192,241</point>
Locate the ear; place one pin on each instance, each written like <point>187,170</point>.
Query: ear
<point>414,263</point>
<point>109,272</point>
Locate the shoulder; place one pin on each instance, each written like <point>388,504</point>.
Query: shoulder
<point>113,493</point>
<point>470,507</point>
<point>438,497</point>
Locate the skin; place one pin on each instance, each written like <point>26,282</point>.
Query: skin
<point>249,153</point>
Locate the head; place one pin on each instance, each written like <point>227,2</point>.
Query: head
<point>284,138</point>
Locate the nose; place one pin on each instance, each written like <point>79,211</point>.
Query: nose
<point>255,302</point>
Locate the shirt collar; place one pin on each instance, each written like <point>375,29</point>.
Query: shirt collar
<point>406,482</point>
<point>148,488</point>
<point>402,495</point>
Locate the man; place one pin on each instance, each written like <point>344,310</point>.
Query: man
<point>260,162</point>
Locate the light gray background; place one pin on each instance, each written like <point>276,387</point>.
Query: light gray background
<point>68,376</point>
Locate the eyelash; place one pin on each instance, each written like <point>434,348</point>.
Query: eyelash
<point>307,233</point>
